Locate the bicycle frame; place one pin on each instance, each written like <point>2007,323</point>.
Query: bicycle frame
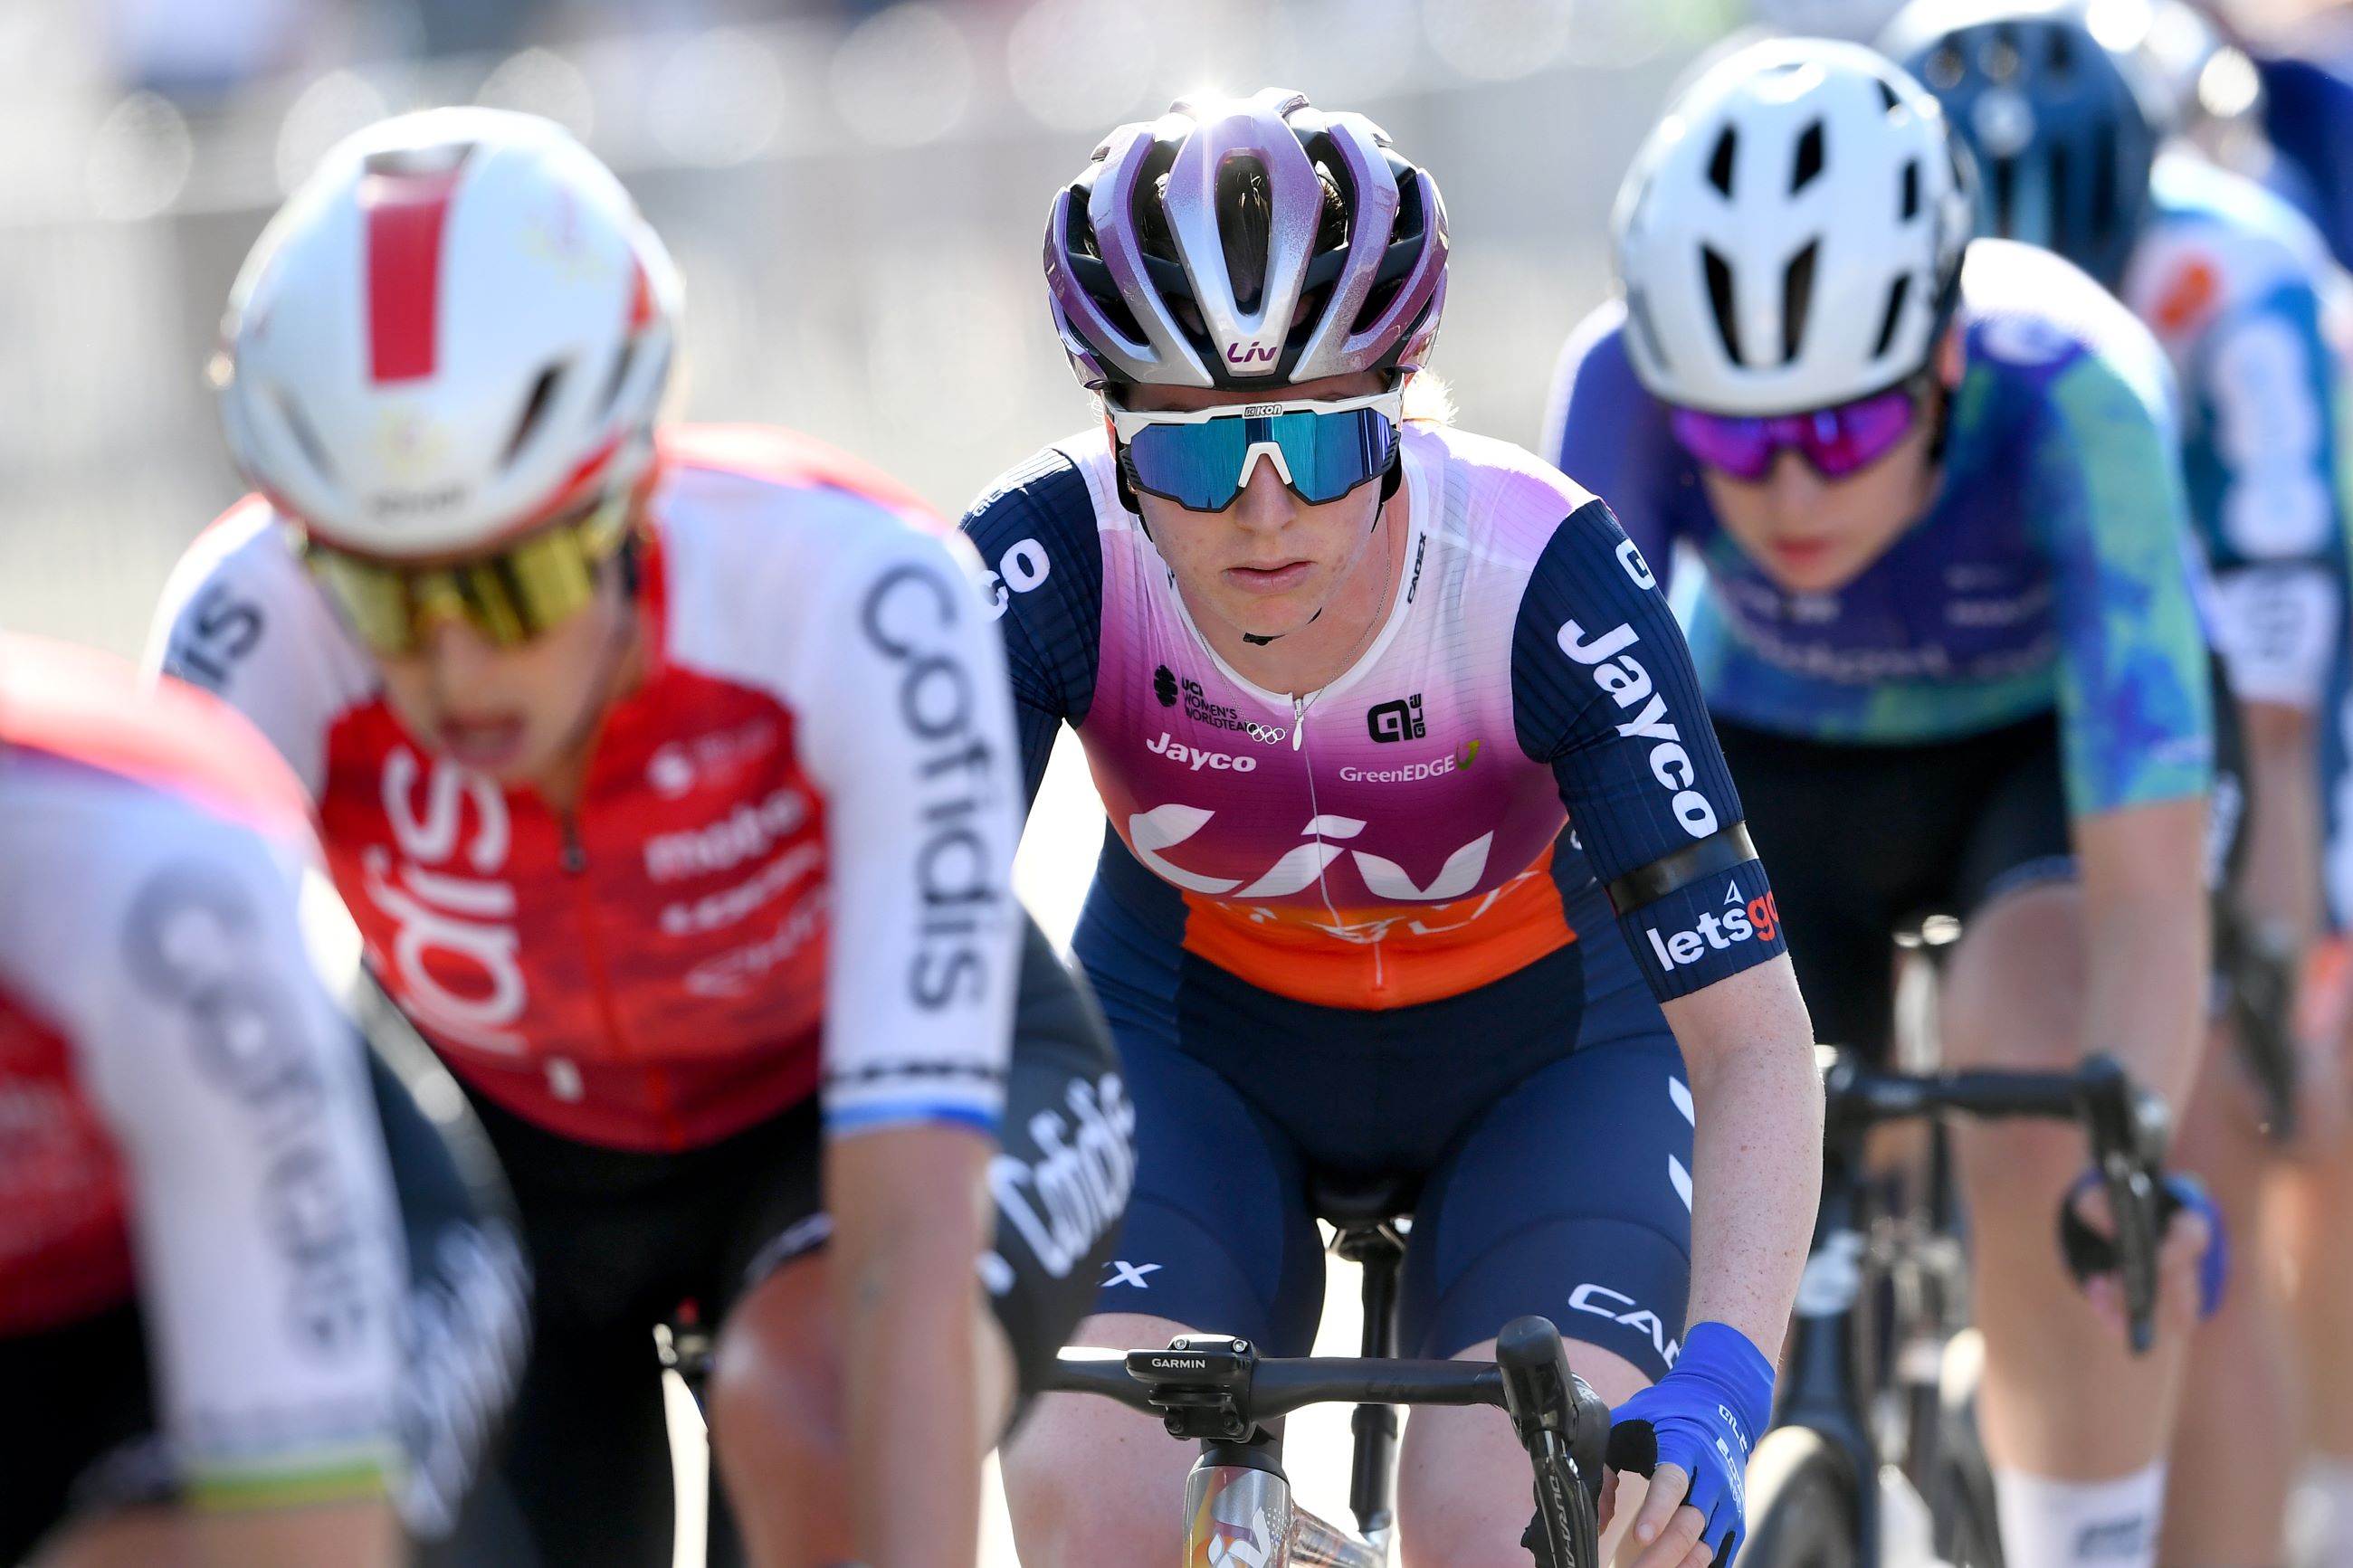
<point>1828,1379</point>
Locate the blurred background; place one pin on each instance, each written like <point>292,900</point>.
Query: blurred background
<point>855,192</point>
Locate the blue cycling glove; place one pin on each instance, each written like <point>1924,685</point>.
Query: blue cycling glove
<point>2087,1252</point>
<point>1704,1416</point>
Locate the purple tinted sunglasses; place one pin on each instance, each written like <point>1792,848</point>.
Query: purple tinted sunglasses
<point>1835,441</point>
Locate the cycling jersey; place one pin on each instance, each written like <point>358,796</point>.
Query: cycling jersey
<point>1388,839</point>
<point>2229,279</point>
<point>176,1084</point>
<point>2054,567</point>
<point>792,846</point>
<point>2308,117</point>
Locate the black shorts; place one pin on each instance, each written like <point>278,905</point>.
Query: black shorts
<point>620,1239</point>
<point>82,1438</point>
<point>1863,840</point>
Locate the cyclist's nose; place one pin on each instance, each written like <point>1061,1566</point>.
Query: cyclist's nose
<point>457,656</point>
<point>1792,488</point>
<point>1265,501</point>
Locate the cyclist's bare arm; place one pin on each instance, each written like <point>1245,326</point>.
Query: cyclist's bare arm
<point>2146,933</point>
<point>348,1534</point>
<point>926,1375</point>
<point>1756,1146</point>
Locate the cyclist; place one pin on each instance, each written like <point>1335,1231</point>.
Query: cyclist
<point>1949,640</point>
<point>670,777</point>
<point>1338,670</point>
<point>251,1311</point>
<point>2229,279</point>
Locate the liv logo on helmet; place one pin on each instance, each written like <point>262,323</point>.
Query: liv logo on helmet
<point>1251,353</point>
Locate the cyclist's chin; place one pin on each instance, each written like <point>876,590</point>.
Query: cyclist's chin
<point>1811,565</point>
<point>1261,613</point>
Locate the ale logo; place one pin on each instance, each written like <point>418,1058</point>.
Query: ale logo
<point>1399,720</point>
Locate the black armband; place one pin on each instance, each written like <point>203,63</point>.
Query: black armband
<point>1719,851</point>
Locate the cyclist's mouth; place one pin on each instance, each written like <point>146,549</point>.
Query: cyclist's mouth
<point>1279,579</point>
<point>486,745</point>
<point>1800,551</point>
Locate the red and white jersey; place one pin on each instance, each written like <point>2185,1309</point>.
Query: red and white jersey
<point>184,1109</point>
<point>792,856</point>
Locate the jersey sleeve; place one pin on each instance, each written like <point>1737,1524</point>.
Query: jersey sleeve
<point>909,735</point>
<point>266,1227</point>
<point>239,618</point>
<point>1603,690</point>
<point>2269,506</point>
<point>2135,706</point>
<point>1035,533</point>
<point>1601,427</point>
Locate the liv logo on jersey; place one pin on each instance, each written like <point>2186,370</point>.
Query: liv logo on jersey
<point>1399,720</point>
<point>1164,686</point>
<point>1737,921</point>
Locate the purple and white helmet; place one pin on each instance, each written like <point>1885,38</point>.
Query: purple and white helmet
<point>1240,243</point>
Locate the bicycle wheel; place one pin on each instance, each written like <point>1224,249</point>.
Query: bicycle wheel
<point>1960,1496</point>
<point>1800,1504</point>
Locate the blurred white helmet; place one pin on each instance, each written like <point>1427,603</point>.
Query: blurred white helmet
<point>1790,236</point>
<point>457,328</point>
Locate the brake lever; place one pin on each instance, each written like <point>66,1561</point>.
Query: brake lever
<point>2128,1132</point>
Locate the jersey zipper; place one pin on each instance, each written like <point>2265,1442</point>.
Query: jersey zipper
<point>574,859</point>
<point>1315,810</point>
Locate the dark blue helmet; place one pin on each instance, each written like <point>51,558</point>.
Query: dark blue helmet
<point>2061,139</point>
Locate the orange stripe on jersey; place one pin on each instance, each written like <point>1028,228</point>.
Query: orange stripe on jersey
<point>91,708</point>
<point>786,457</point>
<point>1394,955</point>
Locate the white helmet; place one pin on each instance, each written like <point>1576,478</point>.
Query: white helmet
<point>1790,236</point>
<point>458,327</point>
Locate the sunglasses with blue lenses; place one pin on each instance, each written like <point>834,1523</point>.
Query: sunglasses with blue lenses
<point>1201,460</point>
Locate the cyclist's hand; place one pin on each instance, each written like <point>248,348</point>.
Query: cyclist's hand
<point>2193,1263</point>
<point>1691,1432</point>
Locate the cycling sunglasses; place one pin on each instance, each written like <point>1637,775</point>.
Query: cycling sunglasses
<point>1835,442</point>
<point>530,588</point>
<point>1202,459</point>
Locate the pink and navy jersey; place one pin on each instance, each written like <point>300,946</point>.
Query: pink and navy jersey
<point>1396,836</point>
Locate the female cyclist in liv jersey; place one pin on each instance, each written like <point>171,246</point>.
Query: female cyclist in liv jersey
<point>1345,680</point>
<point>671,781</point>
<point>1950,645</point>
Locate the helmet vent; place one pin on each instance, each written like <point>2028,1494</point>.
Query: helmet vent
<point>2058,173</point>
<point>2058,50</point>
<point>1910,190</point>
<point>1245,208</point>
<point>1887,96</point>
<point>535,408</point>
<point>314,452</point>
<point>2005,176</point>
<point>1719,297</point>
<point>613,383</point>
<point>1895,297</point>
<point>1797,299</point>
<point>1638,311</point>
<point>1810,158</point>
<point>1719,163</point>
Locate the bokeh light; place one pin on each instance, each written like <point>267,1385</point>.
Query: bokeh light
<point>903,77</point>
<point>140,159</point>
<point>718,100</point>
<point>1081,64</point>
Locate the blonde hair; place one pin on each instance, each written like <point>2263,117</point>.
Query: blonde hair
<point>1428,399</point>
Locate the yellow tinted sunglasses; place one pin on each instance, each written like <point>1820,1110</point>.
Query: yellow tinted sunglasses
<point>511,597</point>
